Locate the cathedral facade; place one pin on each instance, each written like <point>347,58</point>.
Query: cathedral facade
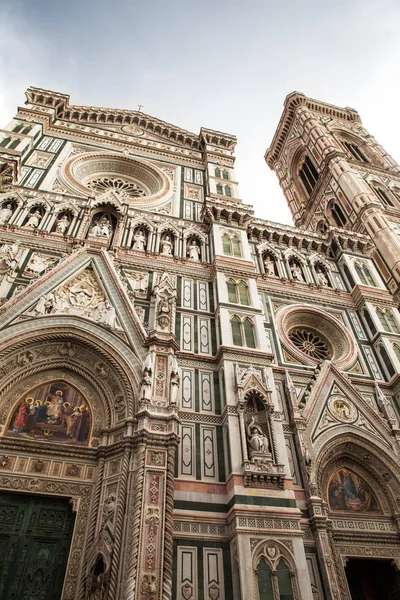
<point>195,403</point>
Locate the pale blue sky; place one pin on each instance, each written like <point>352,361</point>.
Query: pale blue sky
<point>222,64</point>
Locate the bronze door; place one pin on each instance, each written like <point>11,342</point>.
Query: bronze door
<point>35,536</point>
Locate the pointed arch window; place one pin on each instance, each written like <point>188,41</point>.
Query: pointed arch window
<point>364,274</point>
<point>338,215</point>
<point>383,195</point>
<point>236,327</point>
<point>355,151</point>
<point>238,292</point>
<point>18,128</point>
<point>396,349</point>
<point>231,245</point>
<point>220,189</point>
<point>243,332</point>
<point>265,589</point>
<point>228,191</point>
<point>5,141</point>
<point>388,321</point>
<point>308,175</point>
<point>386,361</point>
<point>225,174</point>
<point>284,581</point>
<point>217,172</point>
<point>14,144</point>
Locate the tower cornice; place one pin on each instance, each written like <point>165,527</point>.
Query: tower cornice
<point>292,102</point>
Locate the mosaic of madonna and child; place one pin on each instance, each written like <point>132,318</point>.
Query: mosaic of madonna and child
<point>348,491</point>
<point>55,412</point>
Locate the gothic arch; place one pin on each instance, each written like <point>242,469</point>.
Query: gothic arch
<point>375,463</point>
<point>272,551</point>
<point>118,400</point>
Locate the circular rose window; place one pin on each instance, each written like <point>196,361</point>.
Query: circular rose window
<point>312,335</point>
<point>130,179</point>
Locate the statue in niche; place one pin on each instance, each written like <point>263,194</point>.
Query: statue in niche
<point>257,439</point>
<point>194,251</point>
<point>139,241</point>
<point>102,227</point>
<point>5,214</point>
<point>269,266</point>
<point>63,224</point>
<point>164,312</point>
<point>297,273</point>
<point>166,246</point>
<point>146,383</point>
<point>322,279</point>
<point>34,220</point>
<point>174,383</point>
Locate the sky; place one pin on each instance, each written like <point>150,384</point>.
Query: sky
<point>222,64</point>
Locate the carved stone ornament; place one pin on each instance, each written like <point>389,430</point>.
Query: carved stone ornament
<point>213,592</point>
<point>342,409</point>
<point>81,296</point>
<point>187,591</point>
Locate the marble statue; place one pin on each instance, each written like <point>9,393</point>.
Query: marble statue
<point>296,272</point>
<point>166,246</point>
<point>269,266</point>
<point>5,214</point>
<point>102,227</point>
<point>34,220</point>
<point>194,251</point>
<point>322,279</point>
<point>258,441</point>
<point>62,224</point>
<point>140,241</point>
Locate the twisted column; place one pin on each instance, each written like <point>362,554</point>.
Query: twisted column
<point>135,525</point>
<point>119,521</point>
<point>168,531</point>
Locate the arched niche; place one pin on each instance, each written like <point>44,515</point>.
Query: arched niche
<point>348,491</point>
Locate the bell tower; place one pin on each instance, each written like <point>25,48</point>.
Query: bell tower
<point>334,174</point>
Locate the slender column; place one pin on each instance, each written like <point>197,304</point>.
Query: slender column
<point>119,521</point>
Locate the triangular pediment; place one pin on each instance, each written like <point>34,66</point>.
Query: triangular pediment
<point>333,402</point>
<point>85,285</point>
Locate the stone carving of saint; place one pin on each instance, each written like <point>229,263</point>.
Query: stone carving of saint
<point>45,305</point>
<point>98,588</point>
<point>102,228</point>
<point>34,220</point>
<point>166,246</point>
<point>175,383</point>
<point>322,279</point>
<point>269,266</point>
<point>62,224</point>
<point>164,313</point>
<point>194,251</point>
<point>146,383</point>
<point>296,272</point>
<point>5,214</point>
<point>258,441</point>
<point>140,241</point>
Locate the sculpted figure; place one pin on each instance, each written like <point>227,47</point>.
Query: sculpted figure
<point>140,241</point>
<point>9,255</point>
<point>5,214</point>
<point>194,251</point>
<point>175,382</point>
<point>38,263</point>
<point>258,441</point>
<point>296,272</point>
<point>34,220</point>
<point>166,246</point>
<point>146,383</point>
<point>322,279</point>
<point>62,224</point>
<point>102,228</point>
<point>269,266</point>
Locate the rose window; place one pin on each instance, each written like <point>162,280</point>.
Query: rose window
<point>123,188</point>
<point>310,343</point>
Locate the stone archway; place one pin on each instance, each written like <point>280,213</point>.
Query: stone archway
<point>356,516</point>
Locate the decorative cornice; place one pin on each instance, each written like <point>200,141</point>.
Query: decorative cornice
<point>92,114</point>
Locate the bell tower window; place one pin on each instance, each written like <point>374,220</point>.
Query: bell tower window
<point>355,151</point>
<point>308,175</point>
<point>338,215</point>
